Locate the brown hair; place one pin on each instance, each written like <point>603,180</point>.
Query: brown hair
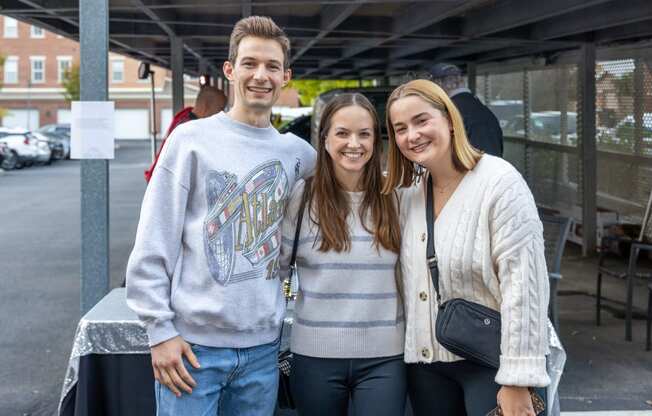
<point>401,170</point>
<point>260,27</point>
<point>328,201</point>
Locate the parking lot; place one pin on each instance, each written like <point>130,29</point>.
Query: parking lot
<point>39,278</point>
<point>39,294</point>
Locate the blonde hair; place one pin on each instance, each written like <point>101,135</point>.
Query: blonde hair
<point>401,171</point>
<point>260,27</point>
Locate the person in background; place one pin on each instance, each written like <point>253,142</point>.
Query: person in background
<point>209,101</point>
<point>481,125</point>
<point>348,330</point>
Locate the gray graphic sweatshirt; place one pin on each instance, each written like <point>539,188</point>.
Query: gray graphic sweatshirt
<point>205,262</point>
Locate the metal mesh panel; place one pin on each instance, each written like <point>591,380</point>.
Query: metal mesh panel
<point>552,98</point>
<point>624,136</point>
<point>504,95</point>
<point>481,87</point>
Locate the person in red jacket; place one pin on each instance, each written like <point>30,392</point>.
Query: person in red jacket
<point>209,101</point>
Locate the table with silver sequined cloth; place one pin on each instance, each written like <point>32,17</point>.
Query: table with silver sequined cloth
<point>112,328</point>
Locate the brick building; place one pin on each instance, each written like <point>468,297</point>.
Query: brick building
<point>32,93</point>
<point>35,61</point>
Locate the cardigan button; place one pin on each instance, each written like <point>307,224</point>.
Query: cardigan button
<point>425,352</point>
<point>423,296</point>
<point>423,236</point>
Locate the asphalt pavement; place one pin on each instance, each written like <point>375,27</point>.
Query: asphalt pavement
<point>40,270</point>
<point>40,280</point>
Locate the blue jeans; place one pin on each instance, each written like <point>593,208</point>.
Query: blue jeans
<point>230,382</point>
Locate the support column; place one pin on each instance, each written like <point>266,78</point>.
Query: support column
<point>176,61</point>
<point>588,151</point>
<point>94,50</point>
<point>471,72</point>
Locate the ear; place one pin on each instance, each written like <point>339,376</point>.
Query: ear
<point>227,68</point>
<point>287,76</point>
<point>326,144</point>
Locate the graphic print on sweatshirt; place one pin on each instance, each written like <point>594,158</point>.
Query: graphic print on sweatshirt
<point>242,234</point>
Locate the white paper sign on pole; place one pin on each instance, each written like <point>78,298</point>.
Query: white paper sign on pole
<point>92,130</point>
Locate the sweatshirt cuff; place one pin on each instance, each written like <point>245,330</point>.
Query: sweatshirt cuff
<point>161,331</point>
<point>522,372</point>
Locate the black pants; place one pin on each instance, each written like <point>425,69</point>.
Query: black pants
<point>332,386</point>
<point>453,389</point>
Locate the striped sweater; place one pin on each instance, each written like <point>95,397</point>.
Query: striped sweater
<point>347,304</point>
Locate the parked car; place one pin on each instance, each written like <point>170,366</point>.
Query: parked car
<point>300,127</point>
<point>54,143</point>
<point>22,144</point>
<point>43,151</point>
<point>506,110</point>
<point>62,131</point>
<point>544,126</point>
<point>7,157</point>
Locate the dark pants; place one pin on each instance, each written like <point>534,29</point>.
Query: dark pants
<point>332,386</point>
<point>453,389</point>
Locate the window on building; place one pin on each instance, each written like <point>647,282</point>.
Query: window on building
<point>38,69</point>
<point>11,70</point>
<point>11,27</point>
<point>37,32</point>
<point>117,71</point>
<point>64,64</point>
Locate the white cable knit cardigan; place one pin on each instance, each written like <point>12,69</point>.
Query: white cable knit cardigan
<point>489,242</point>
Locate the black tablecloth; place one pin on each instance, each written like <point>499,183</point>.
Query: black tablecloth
<point>112,385</point>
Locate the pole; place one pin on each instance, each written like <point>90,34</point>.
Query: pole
<point>152,109</point>
<point>94,52</point>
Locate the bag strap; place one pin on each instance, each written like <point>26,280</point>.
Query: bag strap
<point>431,255</point>
<point>287,284</point>
<point>287,289</point>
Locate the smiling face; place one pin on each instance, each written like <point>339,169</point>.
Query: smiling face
<point>422,132</point>
<point>257,75</point>
<point>350,143</point>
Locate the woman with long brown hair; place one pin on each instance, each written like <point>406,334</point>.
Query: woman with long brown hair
<point>483,244</point>
<point>348,330</point>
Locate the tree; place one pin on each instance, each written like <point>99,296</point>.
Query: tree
<point>71,83</point>
<point>309,89</point>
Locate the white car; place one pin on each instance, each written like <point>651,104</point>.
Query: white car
<point>22,144</point>
<point>43,150</point>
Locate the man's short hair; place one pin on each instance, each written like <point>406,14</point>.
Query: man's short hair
<point>260,27</point>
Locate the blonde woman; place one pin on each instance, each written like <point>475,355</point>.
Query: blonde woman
<point>489,244</point>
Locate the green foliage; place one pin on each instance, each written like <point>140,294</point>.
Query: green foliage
<point>309,89</point>
<point>625,85</point>
<point>71,83</point>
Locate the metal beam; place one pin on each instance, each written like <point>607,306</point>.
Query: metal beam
<point>331,16</point>
<point>600,17</point>
<point>413,19</point>
<point>94,52</point>
<point>246,8</point>
<point>159,17</point>
<point>510,14</point>
<point>176,60</point>
<point>588,149</point>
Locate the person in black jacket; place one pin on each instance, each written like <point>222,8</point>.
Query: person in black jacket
<point>482,126</point>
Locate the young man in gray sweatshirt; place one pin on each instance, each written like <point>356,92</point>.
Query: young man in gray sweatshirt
<point>203,274</point>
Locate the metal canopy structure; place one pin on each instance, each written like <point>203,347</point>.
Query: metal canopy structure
<point>359,38</point>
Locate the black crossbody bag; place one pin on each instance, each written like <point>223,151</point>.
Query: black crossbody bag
<point>285,398</point>
<point>467,329</point>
